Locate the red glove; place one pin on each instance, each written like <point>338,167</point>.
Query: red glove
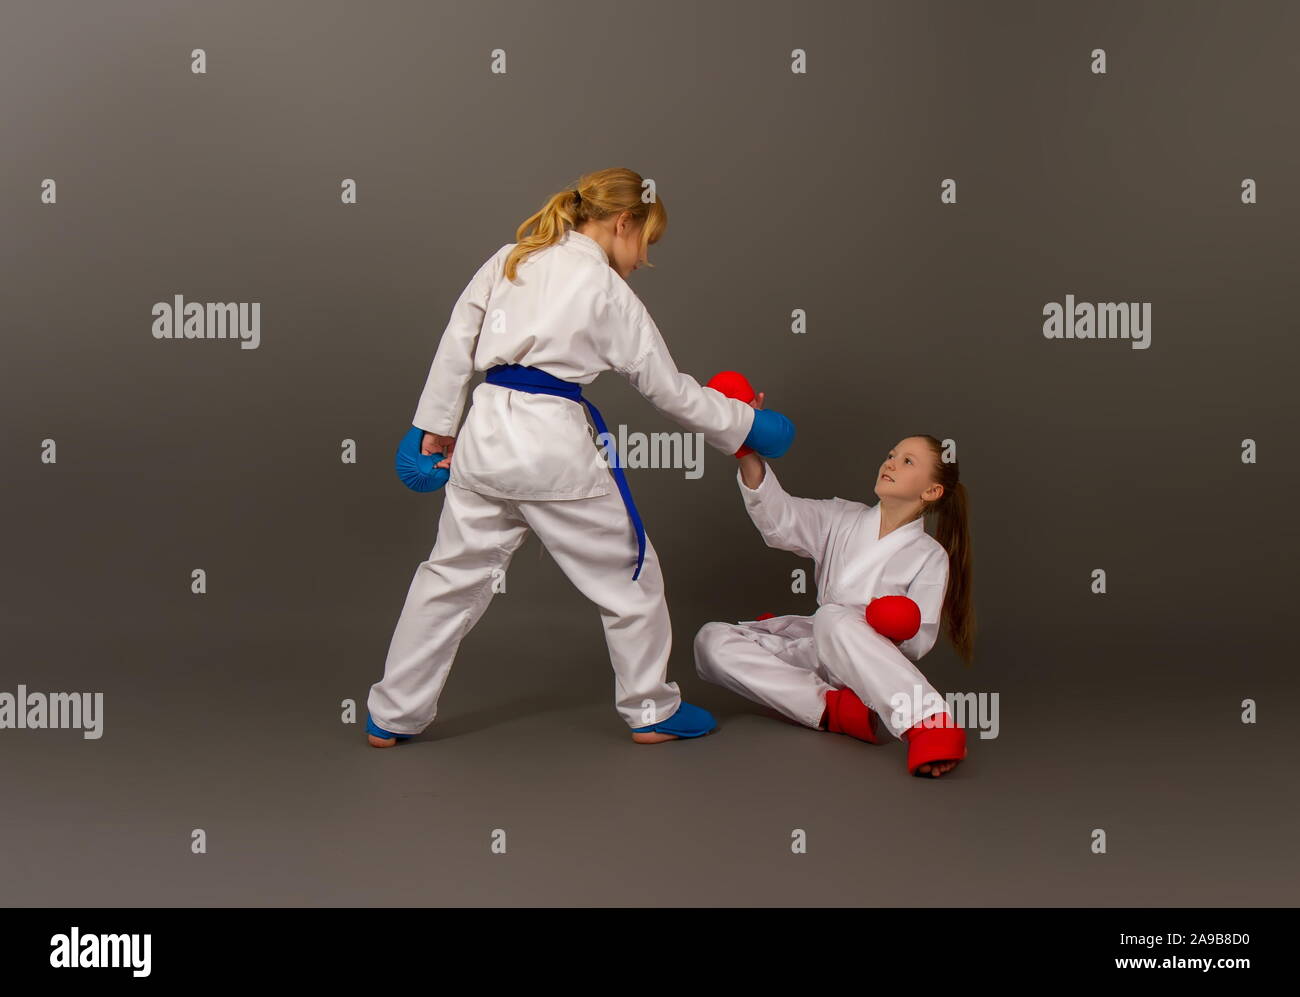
<point>895,616</point>
<point>733,384</point>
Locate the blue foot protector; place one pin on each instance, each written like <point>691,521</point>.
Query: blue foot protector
<point>688,721</point>
<point>373,728</point>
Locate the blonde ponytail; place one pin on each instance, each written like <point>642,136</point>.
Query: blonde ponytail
<point>596,196</point>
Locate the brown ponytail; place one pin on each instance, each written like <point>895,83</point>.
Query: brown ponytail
<point>950,514</point>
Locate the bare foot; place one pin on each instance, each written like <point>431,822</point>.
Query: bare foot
<point>935,769</point>
<point>653,737</point>
<point>381,742</point>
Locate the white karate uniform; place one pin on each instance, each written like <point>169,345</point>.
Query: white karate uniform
<point>790,662</point>
<point>530,461</point>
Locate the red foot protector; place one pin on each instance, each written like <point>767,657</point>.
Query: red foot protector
<point>895,616</point>
<point>934,739</point>
<point>765,616</point>
<point>846,714</point>
<point>733,384</point>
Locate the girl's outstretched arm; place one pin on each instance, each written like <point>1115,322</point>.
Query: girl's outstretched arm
<point>636,349</point>
<point>800,525</point>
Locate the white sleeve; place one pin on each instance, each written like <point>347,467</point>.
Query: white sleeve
<point>447,387</point>
<point>637,350</point>
<point>927,591</point>
<point>800,525</point>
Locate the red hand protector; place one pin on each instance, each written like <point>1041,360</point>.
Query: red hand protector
<point>733,384</point>
<point>895,616</point>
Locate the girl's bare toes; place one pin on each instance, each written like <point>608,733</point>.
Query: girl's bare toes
<point>935,769</point>
<point>653,737</point>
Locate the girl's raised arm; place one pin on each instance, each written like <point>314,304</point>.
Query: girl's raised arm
<point>800,525</point>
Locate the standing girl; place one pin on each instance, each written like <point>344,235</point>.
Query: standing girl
<point>543,317</point>
<point>835,670</point>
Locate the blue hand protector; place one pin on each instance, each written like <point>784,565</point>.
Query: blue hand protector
<point>771,434</point>
<point>416,469</point>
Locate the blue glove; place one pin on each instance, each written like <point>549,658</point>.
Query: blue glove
<point>771,434</point>
<point>416,469</point>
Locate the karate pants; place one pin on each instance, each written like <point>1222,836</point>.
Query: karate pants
<point>790,662</point>
<point>593,542</point>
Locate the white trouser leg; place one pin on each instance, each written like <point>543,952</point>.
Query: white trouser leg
<point>594,543</point>
<point>477,535</point>
<point>859,658</point>
<point>778,671</point>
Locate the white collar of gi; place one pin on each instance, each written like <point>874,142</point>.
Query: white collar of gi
<point>585,243</point>
<point>914,526</point>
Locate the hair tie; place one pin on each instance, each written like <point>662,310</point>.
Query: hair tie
<point>577,195</point>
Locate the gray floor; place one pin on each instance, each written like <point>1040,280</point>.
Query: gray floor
<point>1118,712</point>
<point>241,737</point>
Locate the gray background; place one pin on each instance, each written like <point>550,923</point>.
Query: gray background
<point>820,191</point>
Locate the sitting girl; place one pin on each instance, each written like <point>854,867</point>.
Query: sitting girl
<point>835,670</point>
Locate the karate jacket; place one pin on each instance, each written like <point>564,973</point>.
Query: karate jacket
<point>571,314</point>
<point>852,563</point>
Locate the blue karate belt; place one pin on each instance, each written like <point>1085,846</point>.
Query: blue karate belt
<point>536,381</point>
